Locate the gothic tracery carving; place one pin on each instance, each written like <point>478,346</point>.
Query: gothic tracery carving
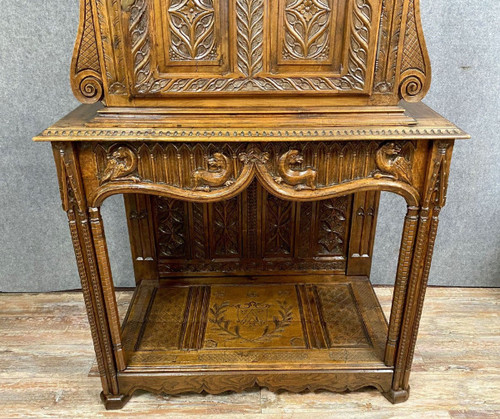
<point>192,30</point>
<point>307,29</point>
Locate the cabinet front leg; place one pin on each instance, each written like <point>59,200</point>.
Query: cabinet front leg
<point>433,199</point>
<point>108,289</point>
<point>93,266</point>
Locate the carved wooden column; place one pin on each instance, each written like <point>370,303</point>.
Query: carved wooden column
<point>93,266</point>
<point>417,243</point>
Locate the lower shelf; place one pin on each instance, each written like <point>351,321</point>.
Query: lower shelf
<point>292,333</point>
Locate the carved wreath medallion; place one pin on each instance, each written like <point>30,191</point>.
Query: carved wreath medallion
<point>254,322</point>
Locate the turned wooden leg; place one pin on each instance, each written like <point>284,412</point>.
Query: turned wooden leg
<point>411,283</point>
<point>93,267</point>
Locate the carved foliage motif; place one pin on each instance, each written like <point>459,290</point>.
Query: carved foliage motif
<point>141,46</point>
<point>278,235</point>
<point>226,228</point>
<point>223,236</point>
<point>307,29</point>
<point>250,27</point>
<point>254,322</point>
<point>192,30</point>
<point>171,226</point>
<point>437,184</point>
<point>411,75</point>
<point>250,55</point>
<point>332,223</point>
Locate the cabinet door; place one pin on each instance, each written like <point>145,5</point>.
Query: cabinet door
<point>240,47</point>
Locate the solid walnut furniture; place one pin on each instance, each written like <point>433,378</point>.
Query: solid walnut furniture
<point>251,140</point>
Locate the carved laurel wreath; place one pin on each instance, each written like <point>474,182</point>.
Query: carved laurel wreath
<point>231,328</point>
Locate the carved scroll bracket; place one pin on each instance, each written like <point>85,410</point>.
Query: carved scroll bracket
<point>86,77</point>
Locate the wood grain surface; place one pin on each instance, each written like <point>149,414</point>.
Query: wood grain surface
<point>46,354</point>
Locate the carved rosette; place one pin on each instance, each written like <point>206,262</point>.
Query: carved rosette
<point>303,171</point>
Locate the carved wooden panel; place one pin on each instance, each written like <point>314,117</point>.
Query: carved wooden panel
<point>235,323</point>
<point>372,47</point>
<point>306,167</point>
<point>239,38</point>
<point>192,30</point>
<point>253,232</point>
<point>307,29</point>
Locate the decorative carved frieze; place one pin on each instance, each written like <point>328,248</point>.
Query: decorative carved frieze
<point>309,169</point>
<point>194,36</point>
<point>250,49</point>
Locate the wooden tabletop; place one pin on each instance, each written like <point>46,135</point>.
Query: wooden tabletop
<point>415,121</point>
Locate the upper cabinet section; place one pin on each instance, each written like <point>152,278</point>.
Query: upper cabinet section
<point>173,52</point>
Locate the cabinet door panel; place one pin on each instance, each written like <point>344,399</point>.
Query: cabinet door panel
<point>249,46</point>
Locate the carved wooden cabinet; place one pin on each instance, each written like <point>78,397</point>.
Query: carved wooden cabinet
<point>251,140</point>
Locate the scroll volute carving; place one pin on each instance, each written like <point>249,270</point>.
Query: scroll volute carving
<point>86,76</point>
<point>218,174</point>
<point>415,73</point>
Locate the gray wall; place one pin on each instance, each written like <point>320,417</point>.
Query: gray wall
<point>36,38</point>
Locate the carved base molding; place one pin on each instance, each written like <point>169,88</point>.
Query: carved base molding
<point>338,382</point>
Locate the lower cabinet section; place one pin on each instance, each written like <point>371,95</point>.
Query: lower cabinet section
<point>281,332</point>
